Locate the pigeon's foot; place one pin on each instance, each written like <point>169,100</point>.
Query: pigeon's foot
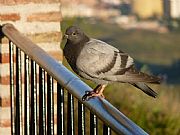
<point>97,92</point>
<point>90,94</point>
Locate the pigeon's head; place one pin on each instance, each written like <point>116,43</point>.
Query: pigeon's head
<point>74,34</point>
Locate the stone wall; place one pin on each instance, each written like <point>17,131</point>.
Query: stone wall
<point>39,20</point>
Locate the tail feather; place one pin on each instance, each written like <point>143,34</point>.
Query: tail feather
<point>146,89</point>
<point>138,76</point>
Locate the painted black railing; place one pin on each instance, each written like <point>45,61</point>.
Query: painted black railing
<point>32,85</point>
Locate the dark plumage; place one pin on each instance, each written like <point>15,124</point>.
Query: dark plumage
<point>102,63</point>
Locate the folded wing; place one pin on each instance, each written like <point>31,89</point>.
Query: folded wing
<point>100,60</point>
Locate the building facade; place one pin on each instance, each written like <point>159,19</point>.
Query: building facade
<point>175,8</point>
<point>148,8</point>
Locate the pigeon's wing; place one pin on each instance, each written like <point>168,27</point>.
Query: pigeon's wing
<point>133,76</point>
<point>102,61</point>
<point>98,59</point>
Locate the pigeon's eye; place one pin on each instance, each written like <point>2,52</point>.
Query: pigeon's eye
<point>73,33</point>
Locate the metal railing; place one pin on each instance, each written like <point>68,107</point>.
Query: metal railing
<point>32,104</point>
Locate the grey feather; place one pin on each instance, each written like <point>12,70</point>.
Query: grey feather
<point>100,59</point>
<point>146,89</point>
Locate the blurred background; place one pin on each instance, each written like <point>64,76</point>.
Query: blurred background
<point>149,30</point>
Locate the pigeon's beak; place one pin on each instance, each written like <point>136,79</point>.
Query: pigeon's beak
<point>65,36</point>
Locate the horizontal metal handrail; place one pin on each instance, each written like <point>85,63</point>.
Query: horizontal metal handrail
<point>99,106</point>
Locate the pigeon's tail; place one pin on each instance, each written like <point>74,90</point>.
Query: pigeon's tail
<point>146,89</point>
<point>133,76</point>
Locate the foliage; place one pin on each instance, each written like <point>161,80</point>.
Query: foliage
<point>156,116</point>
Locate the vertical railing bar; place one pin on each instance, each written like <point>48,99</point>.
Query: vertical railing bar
<point>32,125</point>
<point>41,132</point>
<point>42,102</point>
<point>17,118</point>
<point>18,93</point>
<point>12,91</point>
<point>33,99</point>
<point>50,106</point>
<point>60,110</point>
<point>35,95</point>
<point>93,124</point>
<point>81,119</point>
<point>70,115</point>
<point>106,130</point>
<point>26,95</point>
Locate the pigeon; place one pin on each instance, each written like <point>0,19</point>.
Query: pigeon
<point>95,60</point>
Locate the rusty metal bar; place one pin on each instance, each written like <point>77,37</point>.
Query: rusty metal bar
<point>100,107</point>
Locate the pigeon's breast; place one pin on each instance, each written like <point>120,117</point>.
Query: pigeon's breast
<point>71,53</point>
